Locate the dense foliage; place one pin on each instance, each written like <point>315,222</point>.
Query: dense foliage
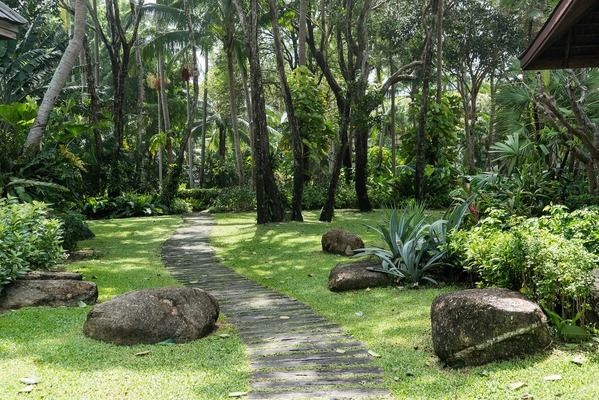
<point>539,257</point>
<point>29,239</point>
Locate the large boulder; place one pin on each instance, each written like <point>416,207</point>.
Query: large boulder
<point>341,242</point>
<point>474,327</point>
<point>52,293</point>
<point>152,316</point>
<point>356,275</point>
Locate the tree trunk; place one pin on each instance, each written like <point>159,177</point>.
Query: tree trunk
<point>190,141</point>
<point>172,182</point>
<point>248,107</point>
<point>361,146</point>
<point>421,134</point>
<point>96,43</point>
<point>233,104</point>
<point>204,120</point>
<point>33,142</point>
<point>392,128</point>
<point>302,32</point>
<point>268,197</point>
<point>141,98</point>
<point>326,215</point>
<point>296,140</point>
<point>165,111</point>
<point>440,18</point>
<point>94,111</point>
<point>159,156</point>
<point>492,121</point>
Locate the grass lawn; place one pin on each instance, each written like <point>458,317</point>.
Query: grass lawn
<point>49,344</point>
<point>394,323</point>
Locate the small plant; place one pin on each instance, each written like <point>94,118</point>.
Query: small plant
<point>568,329</point>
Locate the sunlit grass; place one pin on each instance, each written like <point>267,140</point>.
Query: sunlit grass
<point>395,323</point>
<point>49,344</point>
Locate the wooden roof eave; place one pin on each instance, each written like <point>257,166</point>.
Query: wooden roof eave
<point>559,24</point>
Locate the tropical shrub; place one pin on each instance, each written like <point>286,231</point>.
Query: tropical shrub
<point>235,199</point>
<point>199,199</point>
<point>29,239</point>
<point>75,229</point>
<point>414,247</point>
<point>582,224</point>
<point>124,206</point>
<point>180,206</point>
<point>521,254</point>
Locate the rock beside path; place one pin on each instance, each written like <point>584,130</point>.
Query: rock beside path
<point>52,275</point>
<point>83,254</point>
<point>51,293</point>
<point>474,327</point>
<point>342,242</point>
<point>152,316</point>
<point>356,275</point>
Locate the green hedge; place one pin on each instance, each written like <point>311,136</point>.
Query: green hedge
<point>29,239</point>
<point>540,257</point>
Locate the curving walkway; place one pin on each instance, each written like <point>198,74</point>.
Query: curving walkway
<point>294,353</point>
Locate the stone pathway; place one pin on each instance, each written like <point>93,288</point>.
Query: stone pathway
<point>294,353</point>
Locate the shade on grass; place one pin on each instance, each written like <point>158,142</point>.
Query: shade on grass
<point>393,322</point>
<point>49,344</point>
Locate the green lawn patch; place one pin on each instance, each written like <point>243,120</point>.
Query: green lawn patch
<point>393,322</point>
<point>48,343</point>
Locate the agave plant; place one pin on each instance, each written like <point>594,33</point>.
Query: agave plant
<point>415,248</point>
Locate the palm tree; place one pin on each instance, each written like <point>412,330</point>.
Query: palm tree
<point>70,56</point>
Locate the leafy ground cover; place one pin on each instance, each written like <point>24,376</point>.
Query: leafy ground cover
<point>393,322</point>
<point>48,344</point>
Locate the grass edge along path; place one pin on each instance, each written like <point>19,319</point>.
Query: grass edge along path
<point>395,323</point>
<point>48,343</point>
<point>294,354</point>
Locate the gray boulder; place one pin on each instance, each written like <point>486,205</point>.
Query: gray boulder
<point>83,254</point>
<point>474,327</point>
<point>341,242</point>
<point>152,316</point>
<point>356,275</point>
<point>52,275</point>
<point>52,293</point>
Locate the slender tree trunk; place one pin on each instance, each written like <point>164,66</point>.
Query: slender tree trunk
<point>190,141</point>
<point>233,105</point>
<point>165,111</point>
<point>94,111</point>
<point>302,32</point>
<point>141,98</point>
<point>248,107</point>
<point>472,139</point>
<point>392,127</point>
<point>96,43</point>
<point>172,181</point>
<point>421,134</point>
<point>159,157</point>
<point>362,129</point>
<point>326,215</point>
<point>492,121</point>
<point>33,142</point>
<point>440,24</point>
<point>296,140</point>
<point>204,120</point>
